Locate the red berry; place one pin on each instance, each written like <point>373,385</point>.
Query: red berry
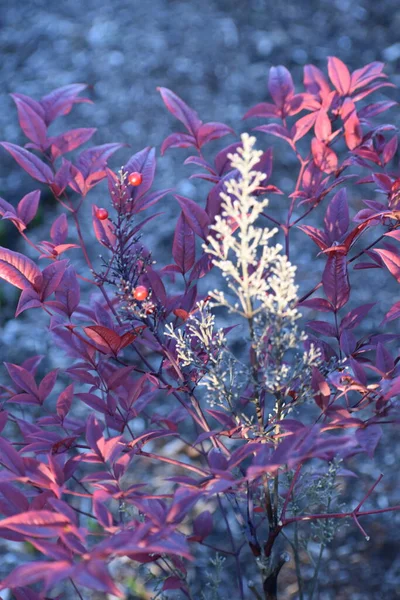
<point>102,214</point>
<point>135,178</point>
<point>140,293</point>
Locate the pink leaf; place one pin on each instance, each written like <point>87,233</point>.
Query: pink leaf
<point>352,127</point>
<point>339,75</point>
<point>324,157</point>
<point>391,260</point>
<point>323,127</point>
<point>19,270</point>
<point>302,126</point>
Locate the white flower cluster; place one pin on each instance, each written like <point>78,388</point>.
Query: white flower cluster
<point>261,279</point>
<point>259,275</point>
<point>198,335</point>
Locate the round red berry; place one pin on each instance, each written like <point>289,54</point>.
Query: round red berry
<point>102,214</point>
<point>140,293</point>
<point>135,178</point>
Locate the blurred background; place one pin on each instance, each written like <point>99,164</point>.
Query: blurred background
<point>215,54</point>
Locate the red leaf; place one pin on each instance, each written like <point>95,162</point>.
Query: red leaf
<point>30,163</point>
<point>181,110</point>
<point>317,236</point>
<point>339,75</point>
<point>104,337</point>
<point>19,270</point>
<point>184,248</point>
<point>335,280</point>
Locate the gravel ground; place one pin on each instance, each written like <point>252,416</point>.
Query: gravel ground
<point>215,54</point>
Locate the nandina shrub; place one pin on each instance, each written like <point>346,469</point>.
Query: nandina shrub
<point>264,434</point>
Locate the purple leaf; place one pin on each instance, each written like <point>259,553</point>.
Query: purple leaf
<point>195,216</point>
<point>27,207</point>
<point>322,327</point>
<point>92,162</point>
<point>335,280</point>
<point>59,230</point>
<point>368,438</point>
<point>315,82</point>
<point>212,131</point>
<point>184,248</point>
<point>181,110</point>
<point>30,163</point>
<point>68,291</point>
<point>52,276</point>
<point>143,162</point>
<point>178,140</point>
<point>31,123</point>
<point>66,142</point>
<point>28,299</point>
<point>277,131</point>
<point>61,100</point>
<point>337,217</point>
<point>264,110</point>
<point>280,85</point>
